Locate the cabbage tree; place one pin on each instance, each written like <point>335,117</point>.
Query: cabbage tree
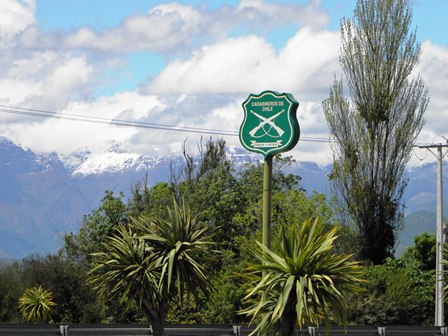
<point>153,261</point>
<point>301,282</point>
<point>37,305</point>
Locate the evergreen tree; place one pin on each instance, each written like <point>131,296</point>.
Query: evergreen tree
<point>375,130</point>
<point>96,226</point>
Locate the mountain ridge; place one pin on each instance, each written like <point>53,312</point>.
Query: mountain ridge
<point>43,196</point>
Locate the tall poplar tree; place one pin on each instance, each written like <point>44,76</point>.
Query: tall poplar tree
<point>376,127</point>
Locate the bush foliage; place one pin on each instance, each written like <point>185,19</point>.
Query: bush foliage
<point>228,199</point>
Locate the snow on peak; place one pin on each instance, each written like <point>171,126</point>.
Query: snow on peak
<point>8,143</point>
<point>114,159</point>
<point>108,162</point>
<point>73,161</point>
<point>117,147</point>
<point>234,153</point>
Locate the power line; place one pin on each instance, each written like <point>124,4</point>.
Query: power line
<point>138,124</point>
<point>128,123</point>
<point>100,120</point>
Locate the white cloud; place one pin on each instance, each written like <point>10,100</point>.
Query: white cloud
<point>65,136</point>
<point>309,61</point>
<point>203,86</point>
<point>178,28</point>
<point>249,64</point>
<point>227,67</point>
<point>306,151</point>
<point>84,37</point>
<point>67,78</point>
<point>433,68</point>
<point>274,14</point>
<point>163,28</point>
<point>204,91</point>
<point>46,80</point>
<point>15,17</point>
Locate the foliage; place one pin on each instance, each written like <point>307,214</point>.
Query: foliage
<point>376,129</point>
<point>179,245</point>
<point>96,226</point>
<point>398,292</point>
<point>36,305</point>
<point>304,282</point>
<point>227,300</point>
<point>152,201</point>
<point>153,261</point>
<point>66,280</point>
<point>218,198</point>
<point>11,288</point>
<point>123,268</point>
<point>211,156</point>
<point>423,251</point>
<point>227,198</point>
<point>191,312</point>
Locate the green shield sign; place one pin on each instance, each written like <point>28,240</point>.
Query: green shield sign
<point>270,123</point>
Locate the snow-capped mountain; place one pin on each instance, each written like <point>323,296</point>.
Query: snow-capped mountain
<point>43,196</point>
<point>113,160</point>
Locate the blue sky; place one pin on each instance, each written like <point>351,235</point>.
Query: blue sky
<point>182,62</point>
<point>100,14</point>
<point>56,14</point>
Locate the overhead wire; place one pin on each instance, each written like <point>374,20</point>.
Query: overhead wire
<point>101,120</point>
<point>129,123</point>
<point>415,153</point>
<point>138,124</point>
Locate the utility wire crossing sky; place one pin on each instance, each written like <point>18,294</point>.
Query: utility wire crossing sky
<point>179,69</point>
<point>128,123</point>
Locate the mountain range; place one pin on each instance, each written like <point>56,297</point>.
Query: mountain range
<point>43,196</point>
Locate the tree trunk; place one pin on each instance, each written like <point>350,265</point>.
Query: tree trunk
<point>154,317</point>
<point>157,329</point>
<point>288,323</point>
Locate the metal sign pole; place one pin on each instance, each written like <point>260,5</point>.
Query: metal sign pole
<point>269,127</point>
<point>267,199</point>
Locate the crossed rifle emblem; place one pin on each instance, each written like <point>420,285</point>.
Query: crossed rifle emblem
<point>267,121</point>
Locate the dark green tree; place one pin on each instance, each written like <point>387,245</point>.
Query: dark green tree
<point>11,287</point>
<point>152,201</point>
<point>398,292</point>
<point>66,279</point>
<point>376,128</point>
<point>152,262</point>
<point>289,206</point>
<point>423,251</point>
<point>96,226</point>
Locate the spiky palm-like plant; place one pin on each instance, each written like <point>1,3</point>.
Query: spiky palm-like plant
<point>36,305</point>
<point>152,261</point>
<point>124,269</point>
<point>179,246</point>
<point>303,282</point>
